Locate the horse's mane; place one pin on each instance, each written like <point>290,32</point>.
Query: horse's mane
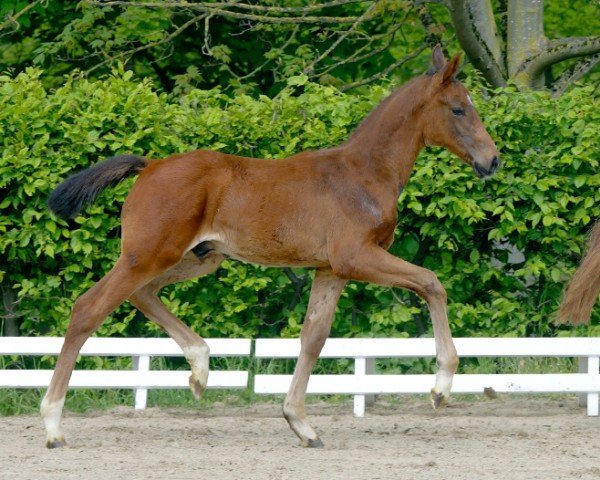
<point>584,288</point>
<point>409,104</point>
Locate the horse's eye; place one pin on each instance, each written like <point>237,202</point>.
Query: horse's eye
<point>458,112</point>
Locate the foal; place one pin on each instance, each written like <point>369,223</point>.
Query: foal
<point>334,210</point>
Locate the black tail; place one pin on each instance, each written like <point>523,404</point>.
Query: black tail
<point>81,189</point>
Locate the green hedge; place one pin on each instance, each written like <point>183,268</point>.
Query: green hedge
<point>543,202</point>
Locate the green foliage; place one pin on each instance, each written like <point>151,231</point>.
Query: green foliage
<point>579,19</point>
<point>179,50</point>
<point>542,202</point>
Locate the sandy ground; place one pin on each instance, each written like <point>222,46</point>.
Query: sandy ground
<point>510,438</point>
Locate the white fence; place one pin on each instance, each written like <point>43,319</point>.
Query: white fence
<point>366,350</point>
<point>140,378</point>
<point>361,384</point>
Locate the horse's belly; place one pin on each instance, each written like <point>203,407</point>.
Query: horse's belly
<point>269,252</point>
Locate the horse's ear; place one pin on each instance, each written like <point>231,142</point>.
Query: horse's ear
<point>438,59</point>
<point>446,73</point>
<point>451,69</point>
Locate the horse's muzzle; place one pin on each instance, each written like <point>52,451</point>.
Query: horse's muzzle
<point>483,172</point>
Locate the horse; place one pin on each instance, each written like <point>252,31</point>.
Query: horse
<point>583,290</point>
<point>333,210</point>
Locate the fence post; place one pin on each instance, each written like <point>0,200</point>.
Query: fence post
<point>593,364</point>
<point>370,370</point>
<point>141,363</point>
<point>360,368</point>
<point>583,368</point>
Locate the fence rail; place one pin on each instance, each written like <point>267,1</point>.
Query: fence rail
<point>365,350</point>
<point>140,378</point>
<point>362,384</point>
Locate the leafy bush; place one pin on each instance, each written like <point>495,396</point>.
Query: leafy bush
<point>542,202</point>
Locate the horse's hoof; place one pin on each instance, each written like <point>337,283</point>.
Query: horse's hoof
<point>196,388</point>
<point>56,443</point>
<point>438,400</point>
<point>316,443</point>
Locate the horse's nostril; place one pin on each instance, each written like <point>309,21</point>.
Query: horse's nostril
<point>495,162</point>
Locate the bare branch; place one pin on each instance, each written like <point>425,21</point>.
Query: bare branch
<point>162,41</point>
<point>357,57</point>
<point>384,72</point>
<point>557,51</point>
<point>424,2</point>
<point>266,62</point>
<point>206,46</point>
<point>233,4</point>
<point>223,12</point>
<point>364,17</point>
<point>562,83</point>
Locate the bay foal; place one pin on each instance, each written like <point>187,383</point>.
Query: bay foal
<point>334,210</point>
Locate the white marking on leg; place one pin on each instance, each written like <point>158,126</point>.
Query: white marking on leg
<point>51,414</point>
<point>443,382</point>
<point>198,358</point>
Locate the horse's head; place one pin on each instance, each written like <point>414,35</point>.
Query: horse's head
<point>451,121</point>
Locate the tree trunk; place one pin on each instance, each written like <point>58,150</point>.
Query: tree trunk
<point>525,38</point>
<point>525,55</point>
<point>478,36</point>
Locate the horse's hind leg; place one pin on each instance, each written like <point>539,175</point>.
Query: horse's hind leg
<point>194,347</point>
<point>88,313</point>
<point>324,295</point>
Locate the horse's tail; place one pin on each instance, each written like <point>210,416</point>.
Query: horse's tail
<point>583,291</point>
<point>82,188</point>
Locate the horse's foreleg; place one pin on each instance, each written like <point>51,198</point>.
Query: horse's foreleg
<point>194,347</point>
<point>376,265</point>
<point>88,313</point>
<point>324,295</point>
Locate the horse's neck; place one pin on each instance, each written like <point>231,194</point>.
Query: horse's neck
<point>389,140</point>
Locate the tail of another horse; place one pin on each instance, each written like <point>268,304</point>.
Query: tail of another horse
<point>81,189</point>
<point>583,291</point>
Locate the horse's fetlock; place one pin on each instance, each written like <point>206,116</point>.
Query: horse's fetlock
<point>288,413</point>
<point>293,412</point>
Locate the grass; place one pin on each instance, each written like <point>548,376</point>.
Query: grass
<point>20,401</point>
<point>26,401</point>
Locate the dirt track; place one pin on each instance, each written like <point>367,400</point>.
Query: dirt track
<point>510,438</point>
